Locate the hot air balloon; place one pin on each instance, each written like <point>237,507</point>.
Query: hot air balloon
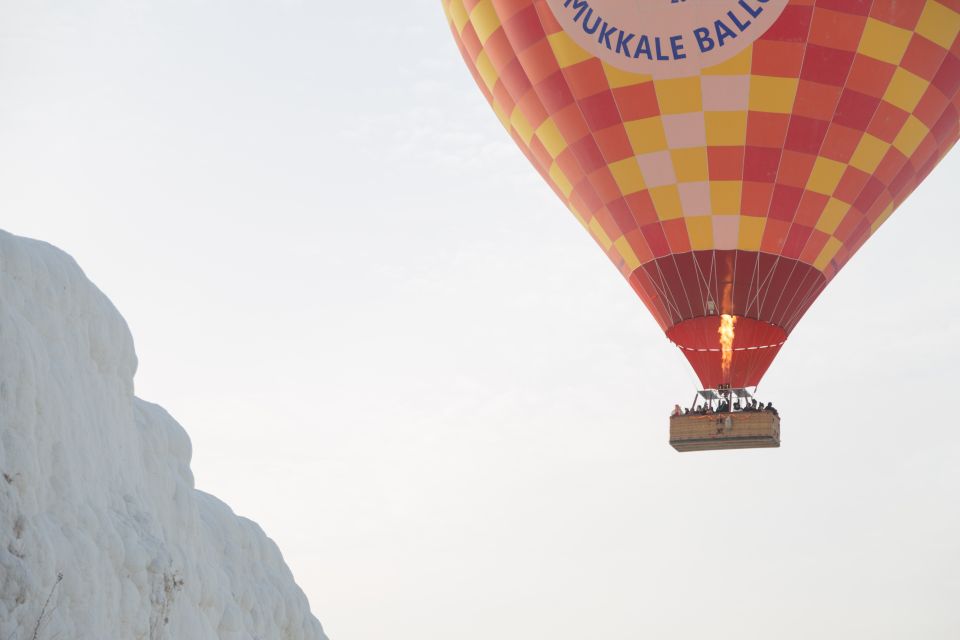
<point>729,156</point>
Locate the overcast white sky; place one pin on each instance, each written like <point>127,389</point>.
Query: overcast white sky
<point>395,349</point>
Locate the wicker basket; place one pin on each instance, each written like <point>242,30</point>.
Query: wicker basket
<point>739,430</point>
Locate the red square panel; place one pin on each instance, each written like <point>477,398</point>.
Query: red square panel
<point>836,29</point>
<point>570,122</point>
<point>586,78</point>
<point>642,207</point>
<point>840,143</point>
<point>793,25</point>
<point>887,122</point>
<point>948,77</point>
<point>469,43</point>
<point>498,49</point>
<point>532,109</point>
<point>568,163</point>
<point>870,76</point>
<point>637,101</point>
<point>923,58</point>
<point>677,236</point>
<point>806,134</point>
<point>656,239</point>
<point>725,163</point>
<point>815,244</point>
<point>855,109</point>
<point>816,100</point>
<point>554,92</point>
<point>760,164</point>
<point>604,185</point>
<point>515,79</point>
<point>869,194</point>
<point>897,12</point>
<point>755,200</point>
<point>620,211</point>
<point>851,184</point>
<point>785,201</point>
<point>506,9</point>
<point>600,111</point>
<point>614,143</point>
<point>796,240</point>
<point>829,66</point>
<point>891,166</point>
<point>945,129</point>
<point>607,222</point>
<point>766,129</point>
<point>588,154</point>
<point>774,234</point>
<point>795,168</point>
<point>776,58</point>
<point>811,206</point>
<point>638,243</point>
<point>539,61</point>
<point>547,19</point>
<point>523,28</point>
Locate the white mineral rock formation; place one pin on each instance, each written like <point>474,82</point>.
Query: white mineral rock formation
<point>102,534</point>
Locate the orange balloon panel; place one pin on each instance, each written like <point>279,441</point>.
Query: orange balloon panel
<point>723,181</point>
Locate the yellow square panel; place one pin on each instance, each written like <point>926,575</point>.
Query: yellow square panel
<point>690,165</point>
<point>485,20</point>
<point>549,134</point>
<point>626,252</point>
<point>458,15</point>
<point>646,135</point>
<point>832,215</point>
<point>560,179</point>
<point>883,41</point>
<point>679,95</point>
<point>725,196</point>
<point>700,230</point>
<point>939,24</point>
<point>910,136</point>
<point>566,51</point>
<point>751,233</point>
<point>869,153</point>
<point>829,251</point>
<point>627,175</point>
<point>486,70</point>
<point>521,125</point>
<point>772,95</point>
<point>666,200</point>
<point>825,176</point>
<point>905,90</point>
<point>725,128</point>
<point>597,232</point>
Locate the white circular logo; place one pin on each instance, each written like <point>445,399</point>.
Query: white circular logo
<point>666,38</point>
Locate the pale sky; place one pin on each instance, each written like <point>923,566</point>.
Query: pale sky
<point>395,349</point>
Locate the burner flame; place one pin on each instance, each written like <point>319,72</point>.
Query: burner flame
<point>726,331</point>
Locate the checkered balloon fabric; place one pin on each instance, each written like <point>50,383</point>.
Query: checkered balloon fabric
<point>740,187</point>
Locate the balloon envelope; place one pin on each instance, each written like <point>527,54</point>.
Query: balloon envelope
<point>729,156</point>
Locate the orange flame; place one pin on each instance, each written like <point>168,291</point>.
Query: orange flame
<point>726,330</point>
